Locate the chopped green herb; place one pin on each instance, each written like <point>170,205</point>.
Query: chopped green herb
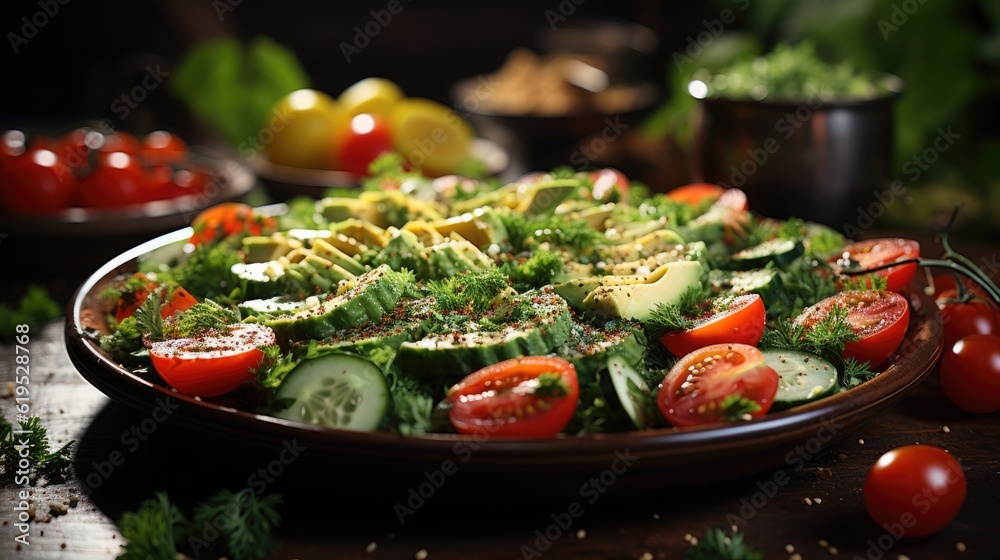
<point>34,309</point>
<point>199,319</point>
<point>152,531</point>
<point>471,293</point>
<point>717,545</point>
<point>550,385</point>
<point>534,272</point>
<point>148,318</point>
<point>48,465</point>
<point>865,282</point>
<point>244,522</point>
<point>735,407</point>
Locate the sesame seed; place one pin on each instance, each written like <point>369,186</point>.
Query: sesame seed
<point>809,503</point>
<point>656,516</point>
<point>581,534</point>
<point>371,547</point>
<point>735,529</point>
<point>823,543</point>
<point>795,556</point>
<point>960,546</point>
<point>421,554</point>
<point>694,541</point>
<point>818,500</point>
<point>861,441</point>
<point>687,537</point>
<point>902,557</point>
<point>789,548</point>
<point>946,429</point>
<point>646,556</point>
<point>832,550</point>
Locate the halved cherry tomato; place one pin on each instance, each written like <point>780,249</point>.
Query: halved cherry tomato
<point>162,147</point>
<point>915,490</point>
<point>738,319</point>
<point>696,193</point>
<point>696,387</point>
<point>970,373</point>
<point>179,300</point>
<point>860,256</point>
<point>505,398</point>
<point>228,218</point>
<point>878,318</point>
<point>214,363</point>
<point>608,181</point>
<point>366,137</point>
<point>141,287</point>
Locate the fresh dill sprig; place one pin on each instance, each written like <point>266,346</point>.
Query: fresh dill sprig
<point>148,318</point>
<point>199,319</point>
<point>826,338</point>
<point>855,373</point>
<point>470,293</point>
<point>534,272</point>
<point>244,522</point>
<point>679,316</point>
<point>865,282</point>
<point>802,283</point>
<point>716,545</point>
<point>152,531</point>
<point>525,233</point>
<point>51,465</point>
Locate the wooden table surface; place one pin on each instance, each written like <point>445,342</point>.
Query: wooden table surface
<point>327,517</point>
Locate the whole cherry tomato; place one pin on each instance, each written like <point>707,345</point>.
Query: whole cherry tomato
<point>36,182</point>
<point>117,180</point>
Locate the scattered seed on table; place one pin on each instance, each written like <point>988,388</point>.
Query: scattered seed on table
<point>960,546</point>
<point>861,441</point>
<point>795,556</point>
<point>656,516</point>
<point>646,556</point>
<point>818,500</point>
<point>688,537</point>
<point>581,534</point>
<point>823,543</point>
<point>946,429</point>
<point>694,541</point>
<point>421,554</point>
<point>902,557</point>
<point>832,550</point>
<point>371,547</point>
<point>808,502</point>
<point>789,548</point>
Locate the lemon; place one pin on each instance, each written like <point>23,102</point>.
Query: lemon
<point>430,135</point>
<point>370,95</point>
<point>302,130</point>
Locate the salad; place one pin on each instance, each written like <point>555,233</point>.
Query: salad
<point>564,302</point>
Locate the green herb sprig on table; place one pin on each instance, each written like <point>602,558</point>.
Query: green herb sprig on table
<point>35,308</point>
<point>233,524</point>
<point>716,545</point>
<point>52,466</point>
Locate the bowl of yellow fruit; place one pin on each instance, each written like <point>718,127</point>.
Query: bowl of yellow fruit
<point>312,140</point>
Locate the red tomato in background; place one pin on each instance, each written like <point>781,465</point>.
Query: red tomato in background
<point>879,318</point>
<point>694,389</point>
<point>501,400</point>
<point>367,136</point>
<point>696,193</point>
<point>118,141</point>
<point>212,364</point>
<point>116,181</point>
<point>741,321</point>
<point>970,373</point>
<point>960,319</point>
<point>915,490</point>
<point>161,148</point>
<point>607,181</point>
<point>35,182</point>
<point>858,257</point>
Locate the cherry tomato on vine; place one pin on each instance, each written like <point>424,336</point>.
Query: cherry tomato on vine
<point>211,364</point>
<point>970,373</point>
<point>117,180</point>
<point>960,319</point>
<point>36,182</point>
<point>860,256</point>
<point>915,490</point>
<point>878,318</point>
<point>739,319</point>
<point>508,399</point>
<point>944,283</point>
<point>695,390</point>
<point>366,137</point>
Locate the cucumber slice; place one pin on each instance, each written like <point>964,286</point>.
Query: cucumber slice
<point>589,347</point>
<point>803,377</point>
<point>629,391</point>
<point>336,391</point>
<point>779,251</point>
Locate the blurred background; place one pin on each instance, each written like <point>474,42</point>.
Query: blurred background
<point>68,63</point>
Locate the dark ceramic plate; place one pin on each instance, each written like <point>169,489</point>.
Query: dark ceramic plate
<point>231,180</point>
<point>663,458</point>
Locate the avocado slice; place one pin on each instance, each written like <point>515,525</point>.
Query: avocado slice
<point>657,242</point>
<point>637,300</point>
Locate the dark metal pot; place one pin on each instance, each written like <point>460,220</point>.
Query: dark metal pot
<point>815,160</point>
